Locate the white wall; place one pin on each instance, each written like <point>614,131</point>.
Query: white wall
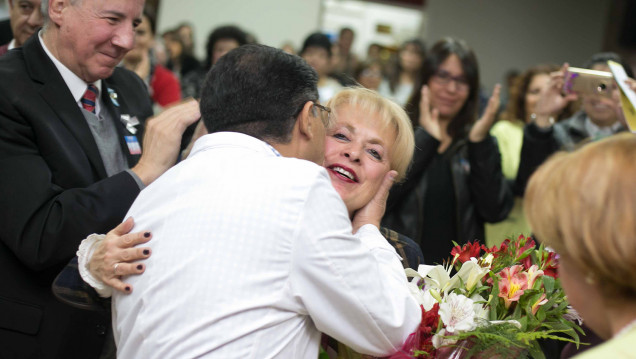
<point>271,21</point>
<point>363,17</point>
<point>517,34</point>
<point>4,10</point>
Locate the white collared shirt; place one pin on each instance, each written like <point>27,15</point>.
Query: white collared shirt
<point>75,84</point>
<point>253,257</point>
<point>11,45</point>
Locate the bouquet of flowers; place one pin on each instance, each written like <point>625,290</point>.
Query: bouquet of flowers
<point>498,303</point>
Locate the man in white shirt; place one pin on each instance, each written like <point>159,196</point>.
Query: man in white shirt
<point>252,252</point>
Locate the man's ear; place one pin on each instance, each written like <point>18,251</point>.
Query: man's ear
<point>305,120</point>
<point>56,8</point>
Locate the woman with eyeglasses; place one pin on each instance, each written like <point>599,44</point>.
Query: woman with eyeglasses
<point>455,183</point>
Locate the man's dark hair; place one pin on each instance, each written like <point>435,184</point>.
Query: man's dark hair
<point>317,39</point>
<point>259,91</point>
<point>604,57</point>
<point>223,32</point>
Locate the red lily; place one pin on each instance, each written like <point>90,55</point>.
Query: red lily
<point>463,254</point>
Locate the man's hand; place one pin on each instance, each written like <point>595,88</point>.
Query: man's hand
<point>482,127</point>
<point>115,256</point>
<point>373,211</point>
<point>163,139</point>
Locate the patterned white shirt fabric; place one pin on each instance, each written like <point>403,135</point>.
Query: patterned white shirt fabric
<point>253,257</point>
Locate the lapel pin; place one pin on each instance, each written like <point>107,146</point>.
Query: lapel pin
<point>113,96</point>
<point>130,122</point>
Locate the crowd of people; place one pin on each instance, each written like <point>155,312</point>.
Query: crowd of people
<point>262,218</point>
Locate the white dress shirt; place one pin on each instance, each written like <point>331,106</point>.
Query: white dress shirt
<point>253,257</point>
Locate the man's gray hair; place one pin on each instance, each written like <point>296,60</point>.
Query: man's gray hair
<point>44,7</point>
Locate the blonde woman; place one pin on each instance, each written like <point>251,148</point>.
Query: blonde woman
<point>583,205</point>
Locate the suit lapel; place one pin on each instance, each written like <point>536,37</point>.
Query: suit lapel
<point>55,92</point>
<point>117,106</point>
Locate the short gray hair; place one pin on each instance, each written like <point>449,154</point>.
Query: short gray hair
<point>44,8</point>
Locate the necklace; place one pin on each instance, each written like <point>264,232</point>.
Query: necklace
<point>631,325</point>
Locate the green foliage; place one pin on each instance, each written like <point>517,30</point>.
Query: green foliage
<point>322,354</point>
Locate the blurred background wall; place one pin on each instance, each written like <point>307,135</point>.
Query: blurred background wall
<point>505,34</point>
<point>272,22</point>
<point>508,34</point>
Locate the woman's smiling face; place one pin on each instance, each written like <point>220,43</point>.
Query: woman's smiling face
<point>357,154</point>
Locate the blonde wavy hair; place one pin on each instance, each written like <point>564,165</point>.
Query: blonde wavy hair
<point>583,204</point>
<point>391,115</point>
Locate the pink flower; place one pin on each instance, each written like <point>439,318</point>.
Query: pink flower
<point>533,274</point>
<point>541,301</point>
<point>512,284</point>
<point>550,264</point>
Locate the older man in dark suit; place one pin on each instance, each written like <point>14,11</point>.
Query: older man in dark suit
<point>70,164</point>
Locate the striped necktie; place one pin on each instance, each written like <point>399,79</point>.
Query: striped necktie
<point>89,99</point>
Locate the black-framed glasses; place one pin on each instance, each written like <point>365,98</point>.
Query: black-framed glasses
<point>326,120</point>
<point>444,78</point>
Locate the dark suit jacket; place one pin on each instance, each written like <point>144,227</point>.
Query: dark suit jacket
<point>5,31</point>
<point>54,192</point>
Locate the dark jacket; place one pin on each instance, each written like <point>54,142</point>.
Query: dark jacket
<point>481,192</point>
<point>539,144</point>
<point>410,251</point>
<point>54,191</point>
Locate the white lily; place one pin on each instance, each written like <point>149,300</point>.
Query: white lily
<point>470,274</point>
<point>425,297</point>
<point>457,313</point>
<point>480,305</point>
<point>487,262</point>
<point>434,276</point>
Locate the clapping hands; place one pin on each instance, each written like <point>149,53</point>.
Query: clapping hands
<point>429,119</point>
<point>481,128</point>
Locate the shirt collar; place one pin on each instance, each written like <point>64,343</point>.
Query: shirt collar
<point>11,45</point>
<point>596,132</point>
<point>233,139</point>
<point>75,84</point>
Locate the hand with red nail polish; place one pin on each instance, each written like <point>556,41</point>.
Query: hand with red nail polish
<point>117,256</point>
